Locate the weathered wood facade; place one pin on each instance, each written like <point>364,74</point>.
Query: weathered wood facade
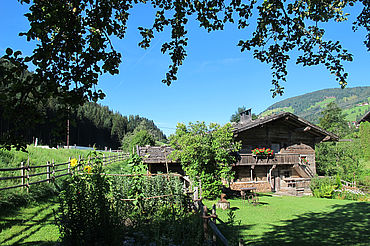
<point>293,140</point>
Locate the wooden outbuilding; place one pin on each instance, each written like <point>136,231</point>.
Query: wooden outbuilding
<point>292,140</point>
<point>158,160</point>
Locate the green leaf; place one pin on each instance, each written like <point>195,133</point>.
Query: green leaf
<point>9,51</point>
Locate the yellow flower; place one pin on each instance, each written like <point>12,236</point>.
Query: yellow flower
<point>87,169</point>
<point>73,162</point>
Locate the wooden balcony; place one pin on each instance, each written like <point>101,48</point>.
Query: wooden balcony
<point>277,159</point>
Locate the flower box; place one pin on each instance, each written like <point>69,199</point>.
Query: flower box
<point>262,152</point>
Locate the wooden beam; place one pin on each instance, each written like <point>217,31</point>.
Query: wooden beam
<point>303,129</point>
<point>326,139</point>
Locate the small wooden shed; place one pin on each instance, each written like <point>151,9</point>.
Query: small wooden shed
<point>157,159</point>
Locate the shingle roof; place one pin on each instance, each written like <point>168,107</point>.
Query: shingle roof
<point>155,154</point>
<point>288,116</point>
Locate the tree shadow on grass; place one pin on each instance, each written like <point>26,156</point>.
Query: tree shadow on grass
<point>31,226</point>
<point>232,231</point>
<point>347,225</point>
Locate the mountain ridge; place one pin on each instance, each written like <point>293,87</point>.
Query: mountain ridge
<point>353,101</point>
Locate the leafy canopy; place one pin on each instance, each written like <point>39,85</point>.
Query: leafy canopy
<point>333,120</point>
<point>140,138</point>
<point>75,36</point>
<point>74,41</point>
<point>206,153</point>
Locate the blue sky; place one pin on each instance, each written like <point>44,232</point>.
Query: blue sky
<point>214,81</point>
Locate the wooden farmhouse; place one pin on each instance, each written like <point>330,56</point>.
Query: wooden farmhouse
<point>292,140</point>
<point>290,167</point>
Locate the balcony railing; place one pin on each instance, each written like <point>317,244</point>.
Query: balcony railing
<point>277,159</point>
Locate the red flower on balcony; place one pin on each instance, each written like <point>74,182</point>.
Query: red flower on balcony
<point>304,160</point>
<point>263,152</point>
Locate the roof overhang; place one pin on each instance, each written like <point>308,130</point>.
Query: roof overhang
<point>301,125</point>
<point>366,117</point>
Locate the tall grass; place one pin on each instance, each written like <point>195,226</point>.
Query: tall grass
<point>35,156</point>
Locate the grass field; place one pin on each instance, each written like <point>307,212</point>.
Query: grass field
<point>38,156</point>
<point>33,225</point>
<point>275,221</point>
<point>299,221</point>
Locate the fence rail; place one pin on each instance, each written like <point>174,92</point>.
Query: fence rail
<point>52,172</point>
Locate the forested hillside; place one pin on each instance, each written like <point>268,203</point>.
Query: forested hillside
<point>88,125</point>
<point>353,101</point>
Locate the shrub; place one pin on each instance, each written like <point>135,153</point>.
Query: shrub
<point>85,215</point>
<point>323,187</point>
<point>134,210</point>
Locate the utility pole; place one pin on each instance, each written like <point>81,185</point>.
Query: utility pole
<point>68,128</point>
<point>68,133</point>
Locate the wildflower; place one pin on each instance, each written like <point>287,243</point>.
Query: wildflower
<point>87,169</point>
<point>73,162</point>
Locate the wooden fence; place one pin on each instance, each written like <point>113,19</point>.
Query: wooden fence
<point>50,171</point>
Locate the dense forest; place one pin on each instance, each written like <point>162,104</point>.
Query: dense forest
<point>351,100</point>
<point>89,124</point>
<point>51,118</point>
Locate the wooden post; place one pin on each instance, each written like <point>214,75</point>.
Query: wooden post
<point>200,188</point>
<point>196,193</point>
<point>241,242</point>
<point>69,165</point>
<point>214,238</point>
<point>79,161</point>
<point>23,180</point>
<point>205,222</point>
<point>48,171</point>
<point>28,174</point>
<point>53,172</point>
<point>165,158</point>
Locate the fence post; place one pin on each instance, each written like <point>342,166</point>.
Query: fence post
<point>241,242</point>
<point>69,165</point>
<point>205,222</point>
<point>214,238</point>
<point>48,171</point>
<point>200,188</point>
<point>196,197</point>
<point>28,174</point>
<point>79,163</point>
<point>23,175</point>
<point>53,166</point>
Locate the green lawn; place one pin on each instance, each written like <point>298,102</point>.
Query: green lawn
<point>33,225</point>
<point>275,221</point>
<point>300,221</point>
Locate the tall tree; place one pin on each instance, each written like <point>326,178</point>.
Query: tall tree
<point>333,120</point>
<point>205,153</point>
